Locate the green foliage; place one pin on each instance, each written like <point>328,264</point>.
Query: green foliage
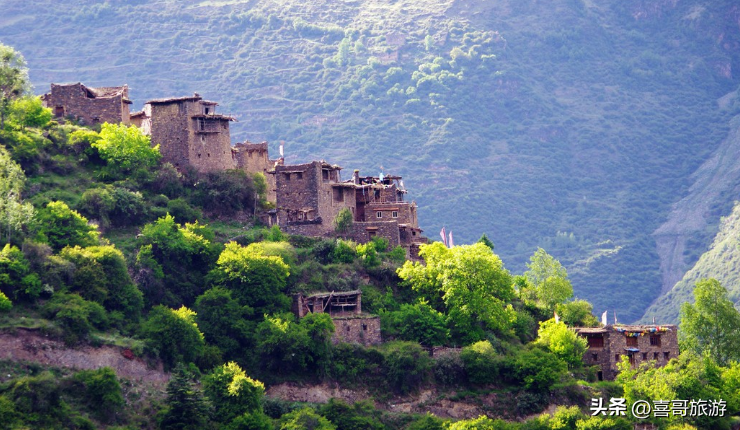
<point>255,279</point>
<point>14,214</point>
<point>60,226</point>
<point>101,275</point>
<point>16,278</point>
<point>549,280</point>
<point>173,261</point>
<point>126,148</point>
<point>5,303</point>
<point>185,407</point>
<point>474,287</point>
<point>538,370</point>
<point>14,81</point>
<point>481,363</point>
<point>360,416</point>
<point>305,419</point>
<point>344,251</point>
<point>224,322</point>
<point>101,391</point>
<point>711,324</point>
<point>285,346</point>
<point>563,342</point>
<point>343,221</point>
<point>486,241</point>
<point>578,313</point>
<point>29,112</point>
<point>406,365</point>
<point>427,422</point>
<point>173,334</point>
<point>225,192</point>
<point>76,316</point>
<point>232,392</point>
<point>418,322</point>
<point>481,423</point>
<point>353,363</point>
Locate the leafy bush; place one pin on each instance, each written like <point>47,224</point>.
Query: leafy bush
<point>173,334</point>
<point>418,322</point>
<point>126,148</point>
<point>538,370</point>
<point>225,192</point>
<point>304,419</point>
<point>344,251</point>
<point>29,112</point>
<point>224,322</point>
<point>449,369</point>
<point>101,391</point>
<point>360,416</point>
<point>16,278</point>
<point>406,365</point>
<point>182,211</point>
<point>353,363</point>
<point>232,392</point>
<point>60,226</point>
<point>76,316</point>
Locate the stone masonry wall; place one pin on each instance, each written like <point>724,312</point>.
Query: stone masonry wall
<point>387,229</point>
<point>253,158</point>
<point>89,110</point>
<point>169,129</point>
<point>364,330</point>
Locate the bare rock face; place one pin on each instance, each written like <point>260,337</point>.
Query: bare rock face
<point>30,346</point>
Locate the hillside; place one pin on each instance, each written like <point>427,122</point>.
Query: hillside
<point>719,262</point>
<point>573,125</point>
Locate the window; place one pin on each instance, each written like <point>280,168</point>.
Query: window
<point>655,356</point>
<point>654,340</point>
<point>596,341</point>
<point>338,195</point>
<point>364,326</point>
<point>300,216</point>
<point>299,175</point>
<point>202,124</point>
<point>372,233</point>
<point>59,111</point>
<point>667,355</point>
<point>207,110</point>
<point>616,357</point>
<point>286,176</point>
<point>644,355</point>
<point>394,214</point>
<point>595,357</point>
<point>378,214</point>
<point>632,341</point>
<point>325,175</point>
<point>600,375</point>
<point>632,359</point>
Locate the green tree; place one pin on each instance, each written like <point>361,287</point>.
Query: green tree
<point>486,241</point>
<point>406,365</point>
<point>13,79</point>
<point>224,322</point>
<point>185,407</point>
<point>283,345</point>
<point>173,261</point>
<point>711,324</point>
<point>16,278</point>
<point>61,226</point>
<point>256,280</point>
<point>126,148</point>
<point>549,280</point>
<point>232,392</point>
<point>343,221</point>
<point>305,419</point>
<point>29,112</point>
<point>469,283</point>
<point>481,362</point>
<point>577,313</point>
<point>418,322</point>
<point>563,342</point>
<point>14,214</point>
<point>173,334</point>
<point>101,391</point>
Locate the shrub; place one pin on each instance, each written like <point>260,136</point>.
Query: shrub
<point>126,148</point>
<point>449,369</point>
<point>343,221</point>
<point>60,226</point>
<point>232,392</point>
<point>101,391</point>
<point>225,192</point>
<point>182,211</point>
<point>419,323</point>
<point>481,362</point>
<point>5,303</point>
<point>76,316</point>
<point>344,251</point>
<point>352,362</point>
<point>406,365</point>
<point>305,419</point>
<point>173,334</point>
<point>16,278</point>
<point>538,370</point>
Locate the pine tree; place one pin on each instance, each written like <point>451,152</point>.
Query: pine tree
<point>186,408</point>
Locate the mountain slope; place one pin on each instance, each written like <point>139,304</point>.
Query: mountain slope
<point>571,125</point>
<point>721,262</point>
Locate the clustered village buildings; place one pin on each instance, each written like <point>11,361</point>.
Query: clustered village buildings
<point>307,198</point>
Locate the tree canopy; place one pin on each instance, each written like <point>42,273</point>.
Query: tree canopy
<point>14,81</point>
<point>548,280</point>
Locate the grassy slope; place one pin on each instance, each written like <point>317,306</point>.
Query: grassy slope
<point>589,119</point>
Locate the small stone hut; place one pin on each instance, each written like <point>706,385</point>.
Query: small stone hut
<point>345,309</point>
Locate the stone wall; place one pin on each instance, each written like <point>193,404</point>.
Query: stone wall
<point>253,158</point>
<point>81,102</point>
<point>169,129</point>
<point>364,232</point>
<point>360,329</point>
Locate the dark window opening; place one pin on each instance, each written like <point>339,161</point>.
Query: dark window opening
<point>644,355</point>
<point>655,356</point>
<point>595,357</point>
<point>594,341</point>
<point>616,357</point>
<point>667,355</point>
<point>286,176</point>
<point>372,233</point>
<point>347,329</point>
<point>632,358</point>
<point>338,195</point>
<point>299,175</point>
<point>413,233</point>
<point>631,341</point>
<point>209,155</point>
<point>364,326</point>
<point>207,110</point>
<point>654,340</point>
<point>202,124</point>
<point>59,111</point>
<point>378,214</point>
<point>394,214</point>
<point>198,155</point>
<point>325,175</point>
<point>600,375</point>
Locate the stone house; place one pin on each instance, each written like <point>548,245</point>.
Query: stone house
<point>640,343</point>
<point>310,196</point>
<point>345,309</point>
<point>254,158</point>
<point>189,132</point>
<point>89,105</point>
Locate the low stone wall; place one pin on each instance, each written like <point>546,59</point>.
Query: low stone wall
<point>364,330</point>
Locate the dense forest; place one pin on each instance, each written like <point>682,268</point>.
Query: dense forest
<point>105,245</point>
<point>579,122</point>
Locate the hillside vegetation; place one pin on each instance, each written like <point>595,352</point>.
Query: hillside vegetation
<point>572,125</point>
